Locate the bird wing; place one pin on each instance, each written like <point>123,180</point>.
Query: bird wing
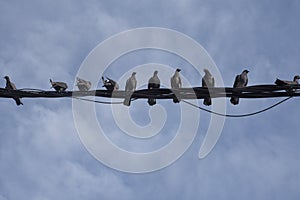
<point>13,86</point>
<point>134,82</point>
<point>112,81</point>
<point>246,81</point>
<point>213,82</point>
<point>151,83</point>
<point>237,81</point>
<point>204,82</point>
<point>173,84</point>
<point>127,85</point>
<point>179,82</point>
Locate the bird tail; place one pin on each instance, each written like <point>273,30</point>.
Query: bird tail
<point>176,100</point>
<point>18,101</point>
<point>234,100</point>
<point>207,101</point>
<point>127,99</point>
<point>151,101</point>
<point>279,82</point>
<point>51,83</point>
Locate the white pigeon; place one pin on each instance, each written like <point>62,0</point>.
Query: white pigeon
<point>11,86</point>
<point>83,85</point>
<point>208,81</point>
<point>130,87</point>
<point>240,81</point>
<point>176,84</point>
<point>153,83</point>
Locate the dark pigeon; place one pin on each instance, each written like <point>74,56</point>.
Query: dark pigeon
<point>153,83</point>
<point>110,84</point>
<point>284,82</point>
<point>12,86</point>
<point>58,86</point>
<point>208,81</point>
<point>240,81</point>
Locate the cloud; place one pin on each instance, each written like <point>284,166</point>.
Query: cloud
<point>41,156</point>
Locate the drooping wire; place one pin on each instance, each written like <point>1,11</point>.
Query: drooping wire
<point>102,102</point>
<point>241,115</point>
<point>206,110</point>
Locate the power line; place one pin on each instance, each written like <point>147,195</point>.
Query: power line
<point>239,115</point>
<point>255,91</point>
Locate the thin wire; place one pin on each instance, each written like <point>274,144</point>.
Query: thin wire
<point>102,102</point>
<point>79,98</point>
<point>242,115</point>
<point>31,89</point>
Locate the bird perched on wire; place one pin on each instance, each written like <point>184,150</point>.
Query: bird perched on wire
<point>153,83</point>
<point>241,80</point>
<point>130,87</point>
<point>110,84</point>
<point>11,86</point>
<point>83,85</point>
<point>284,82</point>
<point>58,86</point>
<point>208,81</point>
<point>176,84</point>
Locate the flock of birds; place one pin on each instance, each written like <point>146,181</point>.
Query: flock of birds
<point>208,81</point>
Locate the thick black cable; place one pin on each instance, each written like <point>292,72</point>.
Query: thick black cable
<point>242,115</point>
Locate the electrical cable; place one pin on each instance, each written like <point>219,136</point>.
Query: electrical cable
<point>240,115</point>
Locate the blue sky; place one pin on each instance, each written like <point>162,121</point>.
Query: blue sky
<point>41,155</point>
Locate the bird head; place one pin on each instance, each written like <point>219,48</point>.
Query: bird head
<point>206,71</point>
<point>296,78</point>
<point>155,72</point>
<point>246,71</point>
<point>7,78</point>
<point>133,73</point>
<point>178,70</point>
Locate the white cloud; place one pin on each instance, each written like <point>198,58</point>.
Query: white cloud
<point>41,156</point>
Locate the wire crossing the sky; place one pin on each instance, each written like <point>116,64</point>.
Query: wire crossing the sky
<point>255,91</point>
<point>238,115</point>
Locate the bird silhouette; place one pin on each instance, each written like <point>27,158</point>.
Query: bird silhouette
<point>11,86</point>
<point>110,84</point>
<point>153,83</point>
<point>240,81</point>
<point>208,81</point>
<point>58,86</point>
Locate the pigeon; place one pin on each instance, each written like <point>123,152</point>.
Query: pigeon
<point>240,81</point>
<point>58,86</point>
<point>153,82</point>
<point>83,85</point>
<point>283,82</point>
<point>208,81</point>
<point>176,84</point>
<point>110,84</point>
<point>11,86</point>
<point>129,89</point>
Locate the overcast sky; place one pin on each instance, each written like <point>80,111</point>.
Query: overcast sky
<point>41,155</point>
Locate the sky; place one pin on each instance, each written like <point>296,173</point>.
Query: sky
<point>41,153</point>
